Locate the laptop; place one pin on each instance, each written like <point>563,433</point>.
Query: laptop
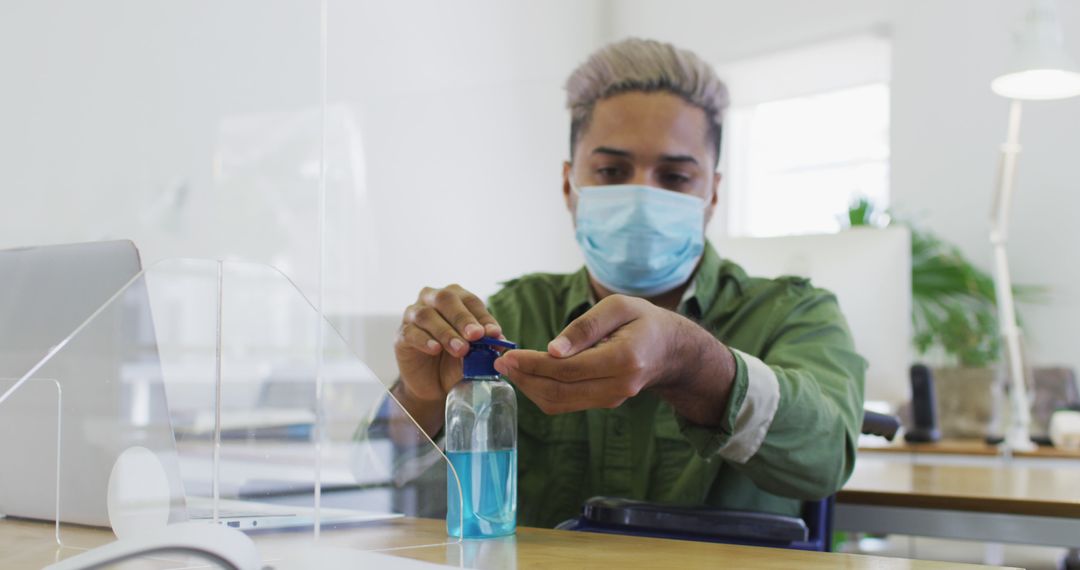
<point>46,293</point>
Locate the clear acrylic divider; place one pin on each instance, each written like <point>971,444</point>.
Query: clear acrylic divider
<point>215,392</point>
<point>31,462</point>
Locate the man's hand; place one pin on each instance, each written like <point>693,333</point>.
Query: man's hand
<point>618,348</point>
<point>434,336</point>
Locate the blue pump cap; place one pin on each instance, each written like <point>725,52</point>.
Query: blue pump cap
<point>480,361</point>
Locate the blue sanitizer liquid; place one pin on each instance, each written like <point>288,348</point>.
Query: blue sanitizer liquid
<point>488,492</point>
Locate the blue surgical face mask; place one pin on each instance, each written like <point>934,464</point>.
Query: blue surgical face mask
<point>639,240</point>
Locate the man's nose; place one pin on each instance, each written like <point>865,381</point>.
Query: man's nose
<point>642,177</point>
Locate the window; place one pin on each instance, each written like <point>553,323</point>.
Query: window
<point>809,135</point>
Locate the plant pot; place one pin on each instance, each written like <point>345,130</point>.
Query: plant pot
<point>969,401</point>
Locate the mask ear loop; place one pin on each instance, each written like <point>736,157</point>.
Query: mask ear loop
<point>575,194</point>
<point>573,186</point>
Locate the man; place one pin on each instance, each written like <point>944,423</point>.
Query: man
<point>659,371</point>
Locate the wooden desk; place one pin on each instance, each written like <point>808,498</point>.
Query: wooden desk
<point>31,545</point>
<point>1012,490</point>
<point>963,447</point>
<point>999,502</point>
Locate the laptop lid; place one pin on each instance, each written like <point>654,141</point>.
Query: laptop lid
<point>46,293</point>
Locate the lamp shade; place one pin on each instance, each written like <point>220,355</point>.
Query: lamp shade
<point>1041,68</point>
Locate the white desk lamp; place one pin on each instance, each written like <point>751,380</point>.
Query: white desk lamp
<point>1041,71</point>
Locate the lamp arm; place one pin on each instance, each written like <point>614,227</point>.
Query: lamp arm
<point>1017,435</point>
<point>1010,150</point>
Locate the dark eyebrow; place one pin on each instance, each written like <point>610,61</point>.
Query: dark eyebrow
<point>678,158</point>
<point>627,154</point>
<point>612,151</point>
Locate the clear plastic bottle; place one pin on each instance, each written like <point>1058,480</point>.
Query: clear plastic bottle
<point>481,442</point>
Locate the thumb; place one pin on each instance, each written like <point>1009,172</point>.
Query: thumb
<point>597,323</point>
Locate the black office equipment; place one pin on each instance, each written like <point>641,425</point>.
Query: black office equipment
<point>923,407</point>
<point>810,531</point>
<point>884,425</point>
<point>626,516</point>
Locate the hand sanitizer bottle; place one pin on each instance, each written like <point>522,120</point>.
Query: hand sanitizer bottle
<point>481,442</point>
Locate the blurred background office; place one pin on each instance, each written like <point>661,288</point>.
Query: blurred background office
<point>194,129</point>
<point>206,129</point>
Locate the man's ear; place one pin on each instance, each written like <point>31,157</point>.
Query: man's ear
<point>566,173</point>
<point>711,206</point>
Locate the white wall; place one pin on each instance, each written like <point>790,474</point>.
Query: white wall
<point>726,30</point>
<point>946,130</point>
<point>447,130</point>
<point>112,116</point>
<point>462,109</point>
<point>193,128</point>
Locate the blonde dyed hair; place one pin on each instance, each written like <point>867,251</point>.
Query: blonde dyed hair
<point>645,65</point>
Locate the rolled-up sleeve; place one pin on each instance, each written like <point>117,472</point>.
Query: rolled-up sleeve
<point>795,410</point>
<point>754,399</point>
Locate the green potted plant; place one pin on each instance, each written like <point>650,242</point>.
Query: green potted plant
<point>954,325</point>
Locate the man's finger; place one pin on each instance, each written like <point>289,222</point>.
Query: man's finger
<point>454,311</point>
<point>588,329</point>
<point>589,365</point>
<point>419,339</point>
<point>431,321</point>
<point>479,310</point>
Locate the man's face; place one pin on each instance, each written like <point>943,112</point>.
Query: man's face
<point>654,139</point>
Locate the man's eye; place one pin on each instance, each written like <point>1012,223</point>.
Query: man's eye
<point>610,174</point>
<point>675,178</point>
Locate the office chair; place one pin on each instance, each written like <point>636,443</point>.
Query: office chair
<point>811,531</point>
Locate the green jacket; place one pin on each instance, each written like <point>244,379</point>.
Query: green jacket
<point>791,425</point>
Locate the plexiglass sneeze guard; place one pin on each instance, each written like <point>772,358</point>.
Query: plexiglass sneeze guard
<point>215,391</point>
